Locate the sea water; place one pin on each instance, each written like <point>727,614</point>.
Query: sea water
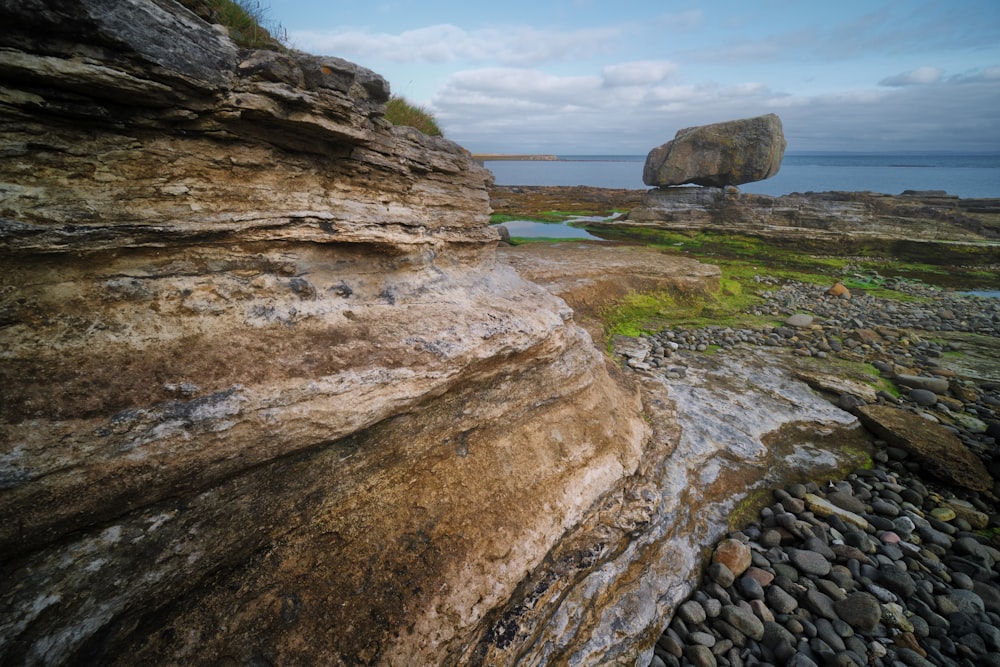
<point>967,176</point>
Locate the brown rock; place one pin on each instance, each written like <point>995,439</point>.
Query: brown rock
<point>866,336</point>
<point>839,290</point>
<point>939,450</point>
<point>717,155</point>
<point>733,554</point>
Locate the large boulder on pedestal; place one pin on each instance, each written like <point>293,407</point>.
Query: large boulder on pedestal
<point>720,154</point>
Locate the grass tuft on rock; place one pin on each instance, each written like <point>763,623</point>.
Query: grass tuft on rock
<point>249,23</point>
<point>399,111</point>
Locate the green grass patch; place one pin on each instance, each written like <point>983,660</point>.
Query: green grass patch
<point>249,24</point>
<point>399,111</point>
<point>649,312</point>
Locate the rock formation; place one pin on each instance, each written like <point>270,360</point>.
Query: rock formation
<point>267,393</point>
<point>917,225</point>
<point>720,154</point>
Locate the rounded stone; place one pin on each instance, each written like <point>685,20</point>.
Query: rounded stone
<point>763,577</point>
<point>733,554</point>
<point>846,501</point>
<point>799,320</point>
<point>885,508</point>
<point>700,656</point>
<point>770,538</point>
<point>897,581</point>
<point>744,621</point>
<point>820,604</point>
<point>703,638</point>
<point>750,588</point>
<point>692,613</point>
<point>967,601</point>
<point>859,610</point>
<point>923,397</point>
<point>720,574</point>
<point>809,562</point>
<point>779,600</point>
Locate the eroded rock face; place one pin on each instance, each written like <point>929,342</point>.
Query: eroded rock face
<point>267,394</point>
<point>720,154</point>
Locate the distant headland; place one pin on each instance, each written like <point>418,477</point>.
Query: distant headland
<point>483,157</point>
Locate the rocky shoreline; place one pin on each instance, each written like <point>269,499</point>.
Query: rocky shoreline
<point>894,565</point>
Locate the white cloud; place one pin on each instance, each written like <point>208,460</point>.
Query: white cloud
<point>526,110</point>
<point>638,73</point>
<point>445,43</point>
<point>914,77</point>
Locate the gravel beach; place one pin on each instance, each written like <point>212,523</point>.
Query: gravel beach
<point>897,563</point>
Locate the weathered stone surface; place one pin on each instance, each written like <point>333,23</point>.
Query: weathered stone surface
<point>720,154</point>
<point>263,375</point>
<point>836,384</point>
<point>590,276</point>
<point>939,450</point>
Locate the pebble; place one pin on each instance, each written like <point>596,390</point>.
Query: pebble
<point>924,592</point>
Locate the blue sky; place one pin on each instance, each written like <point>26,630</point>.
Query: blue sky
<point>600,77</point>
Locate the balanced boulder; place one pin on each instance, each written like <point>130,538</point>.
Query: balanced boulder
<point>720,154</point>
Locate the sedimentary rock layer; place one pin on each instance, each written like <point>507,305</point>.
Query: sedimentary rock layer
<point>267,393</point>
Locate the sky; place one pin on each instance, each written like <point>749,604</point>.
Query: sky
<point>620,77</point>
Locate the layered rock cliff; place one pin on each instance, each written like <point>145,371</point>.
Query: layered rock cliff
<point>268,397</point>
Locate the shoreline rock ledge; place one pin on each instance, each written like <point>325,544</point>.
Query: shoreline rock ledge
<point>268,397</point>
<point>718,155</point>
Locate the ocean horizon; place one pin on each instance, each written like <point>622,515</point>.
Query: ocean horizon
<point>966,175</point>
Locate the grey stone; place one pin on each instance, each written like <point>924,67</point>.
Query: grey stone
<point>800,660</point>
<point>744,621</point>
<point>703,638</point>
<point>885,508</point>
<point>720,154</point>
<point>671,643</point>
<point>825,631</point>
<point>923,397</point>
<point>721,574</point>
<point>933,384</point>
<point>967,602</point>
<point>692,612</point>
<point>809,562</point>
<point>700,656</point>
<point>820,604</point>
<point>799,320</point>
<point>779,600</point>
<point>991,635</point>
<point>897,581</point>
<point>750,588</point>
<point>846,501</point>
